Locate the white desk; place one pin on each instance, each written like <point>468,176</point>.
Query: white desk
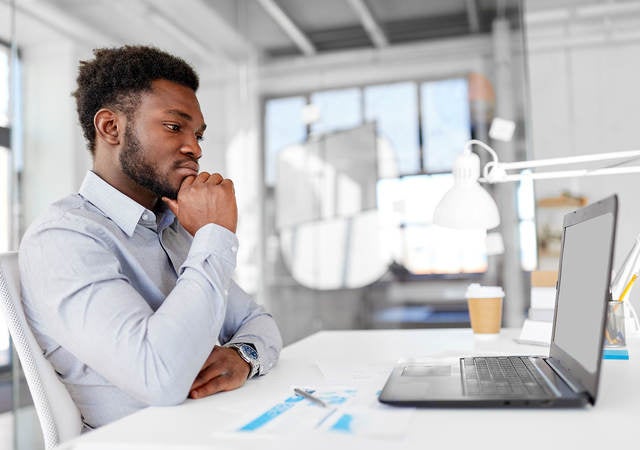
<point>364,358</point>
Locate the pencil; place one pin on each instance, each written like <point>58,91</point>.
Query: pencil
<point>627,288</point>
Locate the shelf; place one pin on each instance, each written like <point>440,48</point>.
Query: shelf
<point>562,201</point>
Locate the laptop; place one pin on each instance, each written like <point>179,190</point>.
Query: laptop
<point>569,376</point>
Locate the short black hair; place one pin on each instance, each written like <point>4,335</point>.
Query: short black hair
<point>116,77</point>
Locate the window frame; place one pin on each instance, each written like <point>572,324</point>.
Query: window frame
<point>418,82</point>
<point>7,143</point>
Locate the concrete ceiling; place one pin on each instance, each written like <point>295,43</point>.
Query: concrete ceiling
<point>266,29</point>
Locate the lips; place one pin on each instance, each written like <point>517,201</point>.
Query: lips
<point>190,166</point>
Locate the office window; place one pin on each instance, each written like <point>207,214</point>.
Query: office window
<point>527,225</point>
<point>4,150</point>
<point>4,86</point>
<point>339,109</point>
<point>5,187</point>
<point>407,204</point>
<point>446,123</point>
<point>394,108</point>
<point>283,127</point>
<point>423,126</point>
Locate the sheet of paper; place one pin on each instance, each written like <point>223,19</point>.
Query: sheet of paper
<point>535,332</point>
<point>348,413</point>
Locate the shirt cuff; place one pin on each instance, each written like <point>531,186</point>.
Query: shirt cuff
<point>217,240</point>
<point>264,365</point>
<point>213,250</point>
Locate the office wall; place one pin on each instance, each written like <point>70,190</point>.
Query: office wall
<point>229,101</point>
<point>55,154</point>
<point>584,100</point>
<point>55,158</point>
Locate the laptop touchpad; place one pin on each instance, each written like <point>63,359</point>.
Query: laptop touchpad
<point>426,371</point>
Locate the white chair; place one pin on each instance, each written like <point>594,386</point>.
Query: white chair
<point>59,417</point>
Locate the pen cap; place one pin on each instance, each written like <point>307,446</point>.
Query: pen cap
<point>477,291</point>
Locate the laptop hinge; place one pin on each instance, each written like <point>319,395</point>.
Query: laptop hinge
<point>557,368</point>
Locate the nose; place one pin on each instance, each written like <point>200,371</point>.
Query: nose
<point>192,148</point>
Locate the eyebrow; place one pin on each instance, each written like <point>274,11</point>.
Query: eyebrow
<point>185,116</point>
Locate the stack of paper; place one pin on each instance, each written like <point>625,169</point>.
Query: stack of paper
<point>543,303</point>
<point>537,326</point>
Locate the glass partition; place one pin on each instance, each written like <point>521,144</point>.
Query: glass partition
<point>419,124</point>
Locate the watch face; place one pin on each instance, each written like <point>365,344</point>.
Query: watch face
<point>249,351</point>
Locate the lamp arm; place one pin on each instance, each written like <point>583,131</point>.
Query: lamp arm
<point>491,164</point>
<point>496,172</point>
<point>568,160</point>
<point>504,178</point>
<point>470,143</point>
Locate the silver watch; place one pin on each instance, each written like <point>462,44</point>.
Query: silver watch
<point>249,354</point>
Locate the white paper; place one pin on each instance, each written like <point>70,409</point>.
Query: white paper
<point>349,412</point>
<point>535,332</point>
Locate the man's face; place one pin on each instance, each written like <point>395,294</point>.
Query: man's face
<point>162,141</point>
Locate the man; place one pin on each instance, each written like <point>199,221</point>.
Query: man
<point>127,284</point>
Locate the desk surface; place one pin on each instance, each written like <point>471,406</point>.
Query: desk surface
<point>363,359</point>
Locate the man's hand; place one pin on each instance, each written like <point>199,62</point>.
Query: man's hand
<point>207,198</point>
<point>224,370</point>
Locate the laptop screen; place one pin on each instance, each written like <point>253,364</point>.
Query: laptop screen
<point>583,286</point>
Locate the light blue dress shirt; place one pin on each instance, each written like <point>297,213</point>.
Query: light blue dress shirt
<point>127,305</point>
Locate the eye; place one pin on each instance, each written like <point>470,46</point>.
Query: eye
<point>173,127</point>
<point>199,137</point>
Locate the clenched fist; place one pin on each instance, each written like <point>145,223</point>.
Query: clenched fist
<point>207,198</point>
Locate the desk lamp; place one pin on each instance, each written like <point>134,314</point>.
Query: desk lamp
<point>468,206</point>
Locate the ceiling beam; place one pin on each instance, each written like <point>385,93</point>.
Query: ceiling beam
<point>218,35</point>
<point>472,16</point>
<point>56,19</point>
<point>290,28</point>
<point>369,23</point>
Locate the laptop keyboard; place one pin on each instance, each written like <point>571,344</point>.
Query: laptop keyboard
<point>502,376</point>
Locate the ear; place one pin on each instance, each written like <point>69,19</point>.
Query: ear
<point>109,126</point>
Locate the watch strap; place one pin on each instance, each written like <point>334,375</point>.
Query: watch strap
<point>249,353</point>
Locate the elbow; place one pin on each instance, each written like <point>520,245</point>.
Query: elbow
<point>169,397</point>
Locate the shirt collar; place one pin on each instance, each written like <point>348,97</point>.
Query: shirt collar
<point>123,210</point>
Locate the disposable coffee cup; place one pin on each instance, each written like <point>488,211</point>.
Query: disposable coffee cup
<point>485,309</point>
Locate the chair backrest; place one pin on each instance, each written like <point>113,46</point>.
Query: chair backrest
<point>59,417</point>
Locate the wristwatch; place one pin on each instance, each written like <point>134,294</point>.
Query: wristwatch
<point>249,354</point>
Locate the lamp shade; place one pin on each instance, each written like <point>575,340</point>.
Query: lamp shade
<point>467,205</point>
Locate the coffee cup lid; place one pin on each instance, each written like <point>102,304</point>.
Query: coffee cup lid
<point>477,291</point>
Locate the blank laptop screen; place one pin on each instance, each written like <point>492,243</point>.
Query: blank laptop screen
<point>582,289</point>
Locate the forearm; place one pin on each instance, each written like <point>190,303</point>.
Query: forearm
<point>89,307</point>
<point>262,332</point>
<point>248,322</point>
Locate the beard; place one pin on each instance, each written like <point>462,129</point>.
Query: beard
<point>141,171</point>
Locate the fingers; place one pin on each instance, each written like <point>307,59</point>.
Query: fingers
<point>216,380</point>
<point>213,386</point>
<point>204,199</point>
<point>215,178</point>
<point>206,177</point>
<point>223,370</point>
<point>188,181</point>
<point>202,177</point>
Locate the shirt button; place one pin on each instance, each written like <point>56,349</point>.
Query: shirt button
<point>145,216</point>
